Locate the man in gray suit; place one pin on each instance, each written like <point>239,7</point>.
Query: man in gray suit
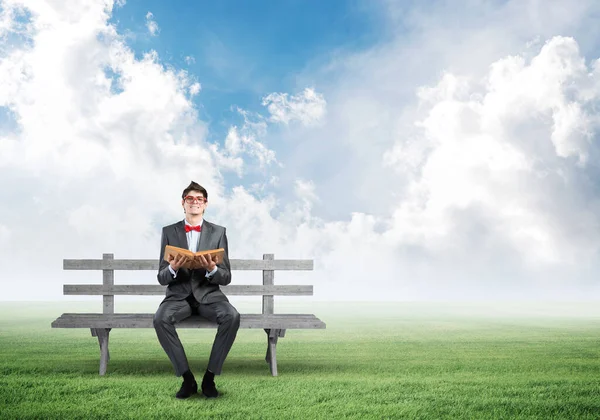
<point>195,291</point>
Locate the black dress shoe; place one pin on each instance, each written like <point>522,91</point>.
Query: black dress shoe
<point>187,390</point>
<point>209,389</point>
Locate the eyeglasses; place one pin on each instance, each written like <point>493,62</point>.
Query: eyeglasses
<point>190,199</point>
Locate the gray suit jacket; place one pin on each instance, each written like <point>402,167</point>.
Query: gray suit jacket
<point>194,281</point>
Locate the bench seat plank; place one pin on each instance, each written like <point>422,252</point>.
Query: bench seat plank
<point>138,320</point>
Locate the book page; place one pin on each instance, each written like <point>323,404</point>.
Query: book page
<point>194,263</point>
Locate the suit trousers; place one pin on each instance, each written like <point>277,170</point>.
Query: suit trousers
<point>171,312</point>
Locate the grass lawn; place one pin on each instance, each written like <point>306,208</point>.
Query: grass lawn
<point>387,360</point>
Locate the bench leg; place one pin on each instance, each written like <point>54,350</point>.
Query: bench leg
<point>271,357</point>
<point>102,334</point>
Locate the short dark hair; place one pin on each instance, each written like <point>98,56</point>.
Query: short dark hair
<point>194,186</point>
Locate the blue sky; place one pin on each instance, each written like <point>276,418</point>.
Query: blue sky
<point>443,150</point>
<point>245,50</point>
<point>242,51</point>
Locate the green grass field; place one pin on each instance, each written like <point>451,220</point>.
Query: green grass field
<point>401,360</point>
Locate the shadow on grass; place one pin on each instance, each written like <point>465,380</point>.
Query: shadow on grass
<point>239,367</point>
<point>153,366</point>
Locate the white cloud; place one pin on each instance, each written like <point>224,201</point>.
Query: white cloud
<point>8,19</point>
<point>305,190</point>
<point>483,186</point>
<point>101,138</point>
<point>151,24</point>
<point>246,141</point>
<point>236,143</point>
<point>500,153</point>
<point>233,143</point>
<point>194,88</point>
<point>478,185</point>
<point>189,59</point>
<point>308,107</point>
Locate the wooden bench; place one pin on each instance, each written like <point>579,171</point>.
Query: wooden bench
<point>100,324</point>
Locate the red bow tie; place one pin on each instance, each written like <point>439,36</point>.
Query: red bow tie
<point>196,228</point>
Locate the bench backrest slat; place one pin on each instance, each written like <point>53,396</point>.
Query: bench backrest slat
<point>108,280</point>
<point>151,289</point>
<point>268,280</point>
<point>236,264</point>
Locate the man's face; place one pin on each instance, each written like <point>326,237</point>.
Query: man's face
<point>194,203</point>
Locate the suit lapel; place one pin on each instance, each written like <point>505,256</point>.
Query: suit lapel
<point>205,236</point>
<point>181,236</point>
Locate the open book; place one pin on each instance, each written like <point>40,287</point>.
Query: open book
<point>173,251</point>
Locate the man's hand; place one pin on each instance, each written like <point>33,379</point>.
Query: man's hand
<point>206,262</point>
<point>178,261</point>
